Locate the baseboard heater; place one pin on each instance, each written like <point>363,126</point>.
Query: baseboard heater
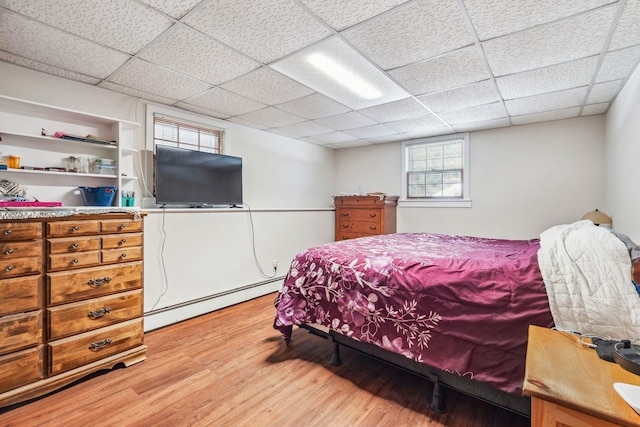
<point>213,296</point>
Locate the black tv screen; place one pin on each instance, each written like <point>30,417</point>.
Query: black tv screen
<point>197,178</point>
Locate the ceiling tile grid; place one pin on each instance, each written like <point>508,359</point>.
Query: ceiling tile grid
<point>439,66</point>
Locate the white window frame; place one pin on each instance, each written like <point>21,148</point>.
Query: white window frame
<point>464,201</point>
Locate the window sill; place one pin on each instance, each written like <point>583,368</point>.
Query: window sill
<point>451,203</point>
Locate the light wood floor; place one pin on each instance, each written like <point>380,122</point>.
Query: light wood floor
<point>231,368</point>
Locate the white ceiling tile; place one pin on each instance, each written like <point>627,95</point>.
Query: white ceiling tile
<point>341,14</point>
<point>618,64</point>
<point>330,138</point>
<point>421,30</point>
<point>247,123</point>
<point>307,128</point>
<point>352,144</point>
<point>479,113</point>
<point>263,29</point>
<point>628,30</point>
<point>604,92</point>
<point>548,101</point>
<point>346,121</point>
<point>39,42</point>
<point>594,109</point>
<point>427,132</point>
<point>49,69</point>
<point>299,67</point>
<point>407,108</point>
<point>271,117</point>
<point>421,123</point>
<point>493,18</point>
<point>548,79</point>
<point>546,116</point>
<point>313,106</point>
<point>482,125</point>
<point>267,86</point>
<point>454,69</point>
<point>187,51</point>
<point>174,8</point>
<point>136,93</point>
<point>388,138</point>
<point>157,80</point>
<point>550,44</point>
<point>226,102</point>
<point>200,110</point>
<point>370,131</point>
<point>478,93</point>
<point>120,24</point>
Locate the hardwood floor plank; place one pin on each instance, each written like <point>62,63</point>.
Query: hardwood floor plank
<point>230,367</point>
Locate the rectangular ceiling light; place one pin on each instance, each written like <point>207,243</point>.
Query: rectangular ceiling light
<point>336,70</point>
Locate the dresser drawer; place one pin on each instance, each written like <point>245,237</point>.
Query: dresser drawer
<point>69,286</point>
<point>360,227</point>
<point>121,226</point>
<point>72,228</point>
<point>9,250</point>
<point>121,241</point>
<point>122,255</point>
<point>20,294</point>
<point>21,368</point>
<point>20,231</point>
<point>77,260</point>
<point>75,318</point>
<point>18,331</point>
<point>19,267</point>
<point>73,244</point>
<point>362,201</point>
<point>79,350</point>
<point>360,215</point>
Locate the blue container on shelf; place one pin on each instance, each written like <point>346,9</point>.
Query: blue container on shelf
<point>98,196</point>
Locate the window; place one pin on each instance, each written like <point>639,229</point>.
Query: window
<point>178,133</point>
<point>436,170</point>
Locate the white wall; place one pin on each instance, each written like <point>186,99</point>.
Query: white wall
<point>623,158</point>
<point>524,179</point>
<point>287,183</point>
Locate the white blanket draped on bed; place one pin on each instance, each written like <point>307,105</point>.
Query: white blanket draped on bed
<point>587,273</point>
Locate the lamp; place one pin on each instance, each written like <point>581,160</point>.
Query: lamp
<point>598,218</point>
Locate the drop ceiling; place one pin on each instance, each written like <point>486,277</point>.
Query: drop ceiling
<point>446,65</point>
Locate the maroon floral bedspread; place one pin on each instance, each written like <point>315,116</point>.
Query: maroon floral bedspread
<point>460,304</point>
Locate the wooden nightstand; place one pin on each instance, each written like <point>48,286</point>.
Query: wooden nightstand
<point>570,385</point>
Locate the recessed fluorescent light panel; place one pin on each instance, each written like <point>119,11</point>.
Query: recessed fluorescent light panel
<point>339,72</point>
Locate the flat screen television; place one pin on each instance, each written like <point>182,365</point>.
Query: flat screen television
<point>197,178</point>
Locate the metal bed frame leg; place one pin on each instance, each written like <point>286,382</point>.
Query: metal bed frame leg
<point>437,401</point>
<point>335,356</point>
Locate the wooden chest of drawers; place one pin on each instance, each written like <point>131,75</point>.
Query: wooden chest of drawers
<point>359,216</point>
<point>71,300</point>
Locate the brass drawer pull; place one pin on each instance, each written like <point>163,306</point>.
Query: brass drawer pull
<point>122,226</point>
<point>96,283</point>
<point>74,246</point>
<point>9,268</point>
<point>75,228</point>
<point>123,256</point>
<point>7,232</point>
<point>101,312</point>
<point>75,261</point>
<point>372,215</point>
<point>8,252</point>
<point>373,228</point>
<point>345,214</point>
<point>123,241</point>
<point>345,226</point>
<point>99,345</point>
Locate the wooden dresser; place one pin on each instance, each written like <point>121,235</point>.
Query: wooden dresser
<point>70,300</point>
<point>359,216</point>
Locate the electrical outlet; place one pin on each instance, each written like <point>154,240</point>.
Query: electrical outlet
<point>275,264</point>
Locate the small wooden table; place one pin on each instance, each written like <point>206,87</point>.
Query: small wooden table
<point>570,385</point>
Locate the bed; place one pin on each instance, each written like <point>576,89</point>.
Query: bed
<point>456,309</point>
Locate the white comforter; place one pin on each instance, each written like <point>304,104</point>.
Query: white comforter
<point>586,270</point>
